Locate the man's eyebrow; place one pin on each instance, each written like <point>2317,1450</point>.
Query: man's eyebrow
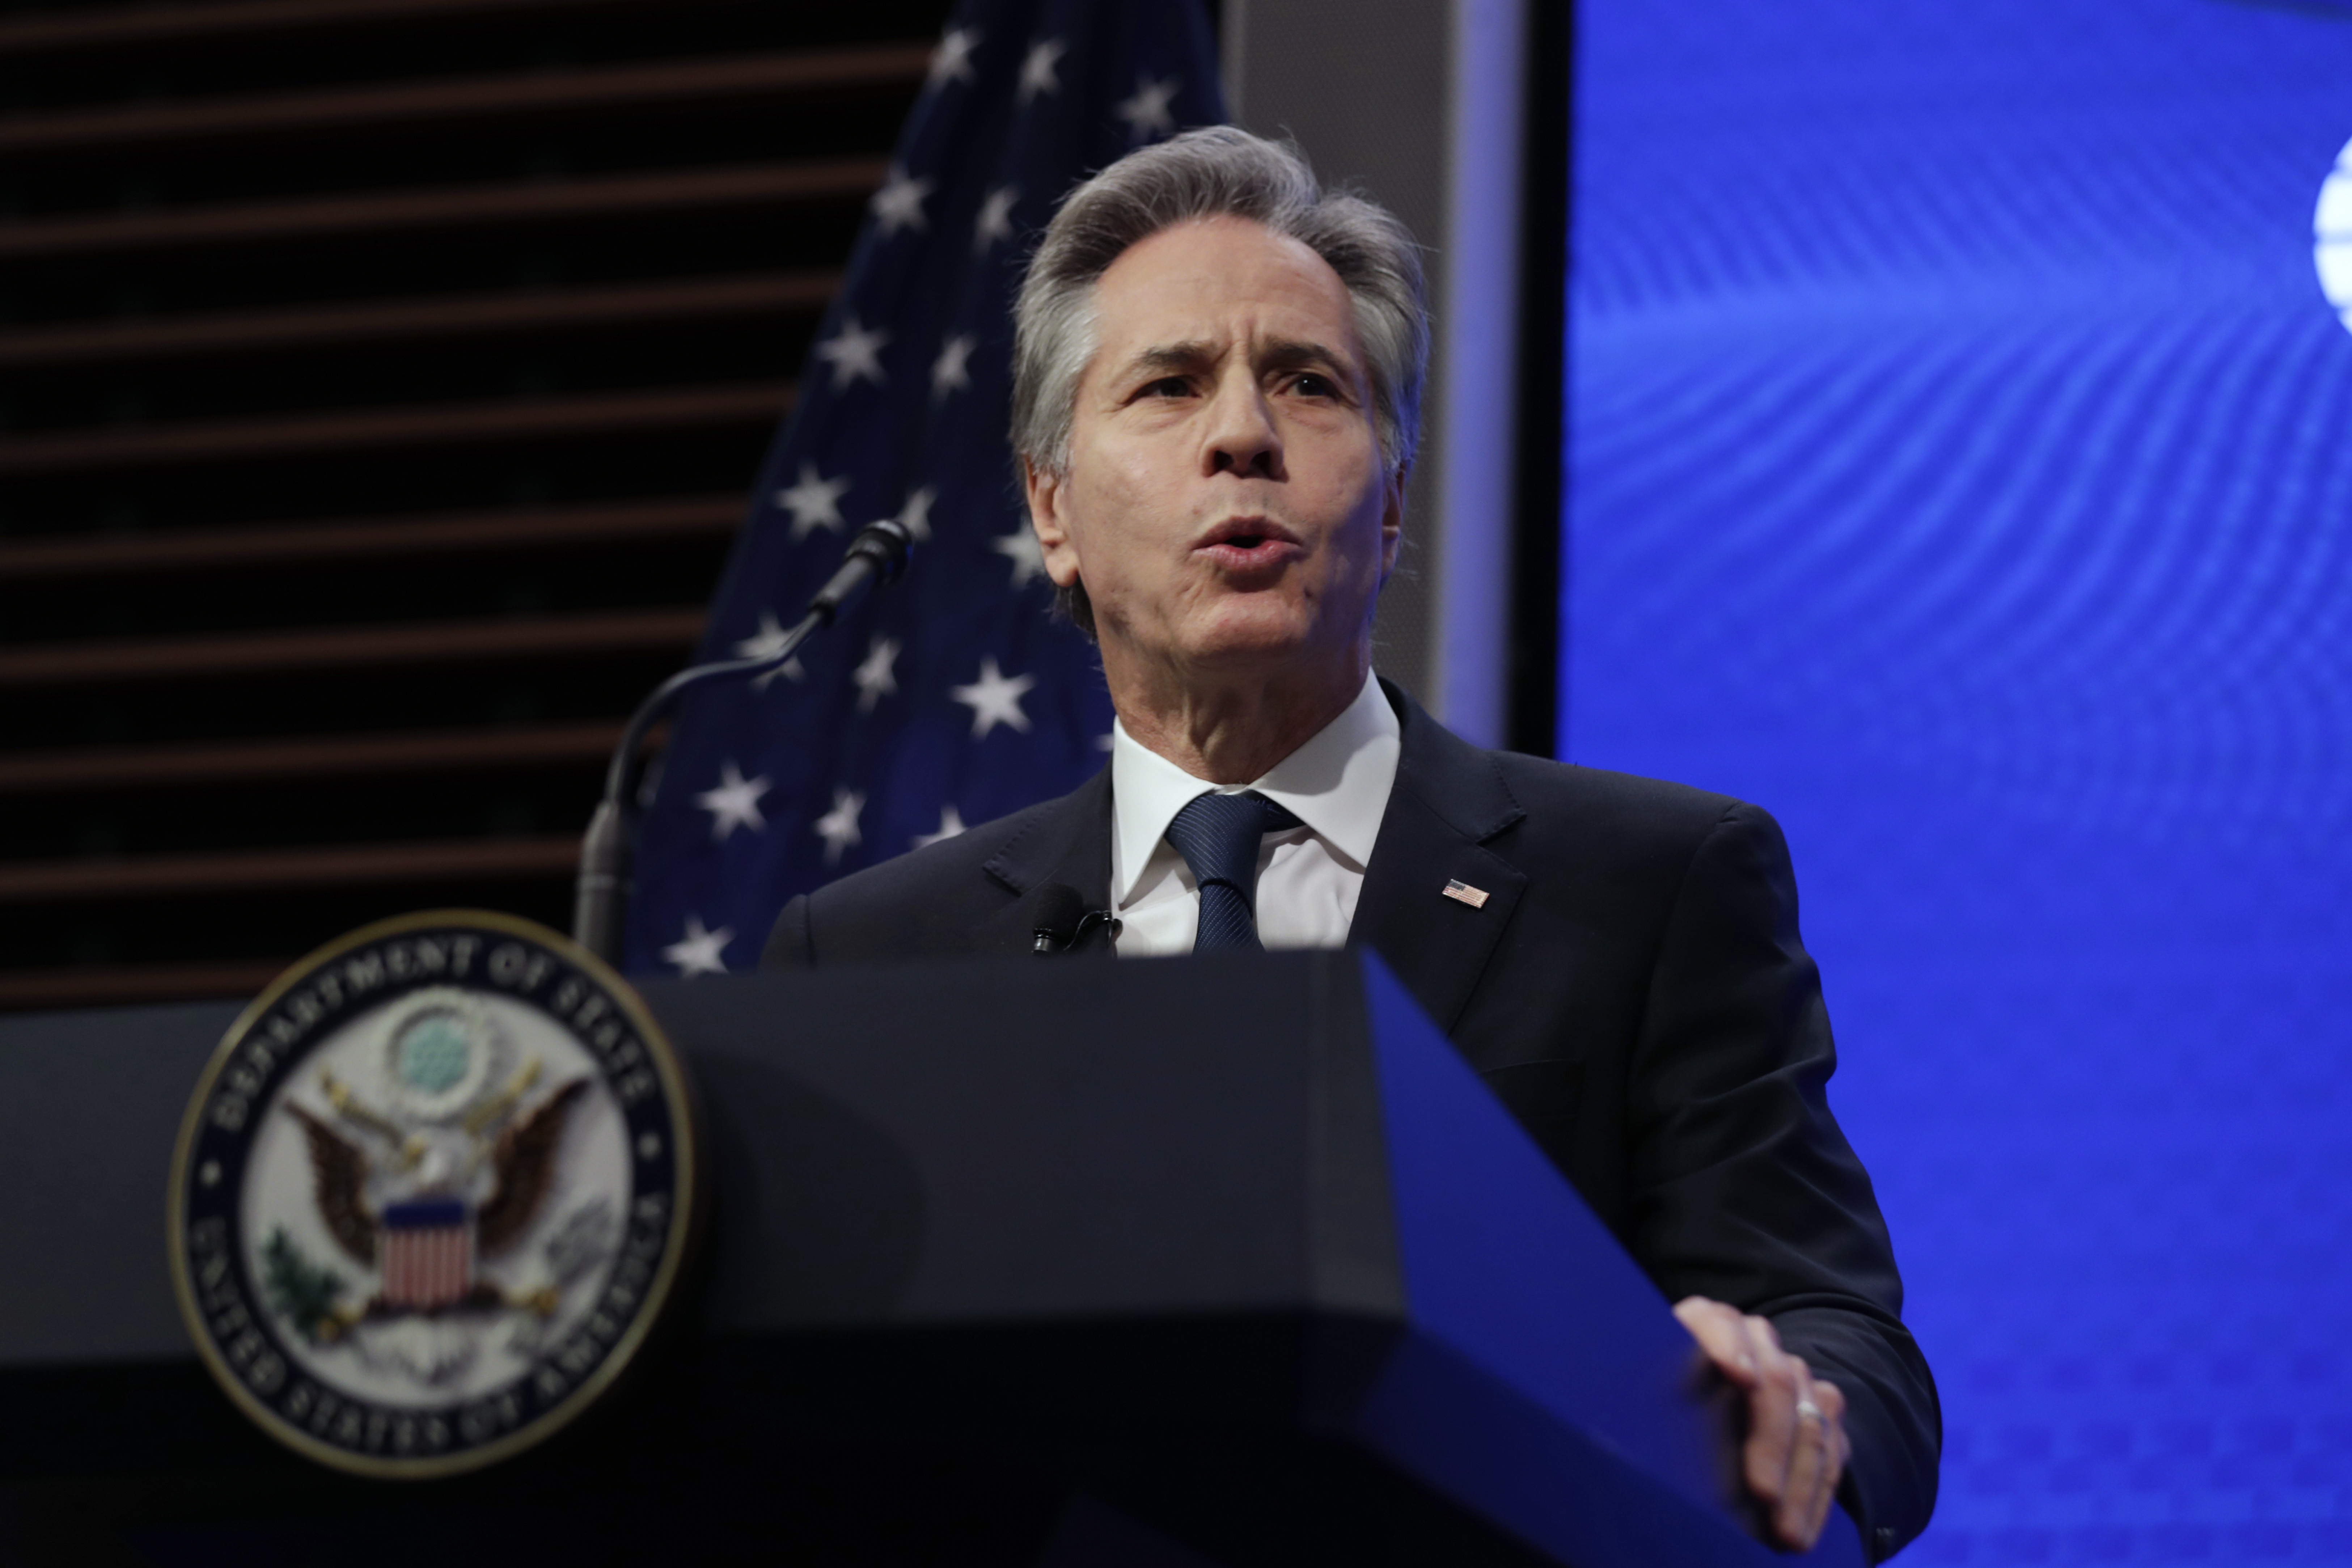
<point>1169,356</point>
<point>1290,353</point>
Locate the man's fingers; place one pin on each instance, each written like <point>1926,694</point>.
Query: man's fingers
<point>1722,1332</point>
<point>1822,1498</point>
<point>1781,1383</point>
<point>1831,1400</point>
<point>1804,1502</point>
<point>1795,1448</point>
<point>1819,1460</point>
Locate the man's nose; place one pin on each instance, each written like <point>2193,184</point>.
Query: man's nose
<point>1242,437</point>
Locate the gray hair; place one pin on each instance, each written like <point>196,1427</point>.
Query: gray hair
<point>1218,171</point>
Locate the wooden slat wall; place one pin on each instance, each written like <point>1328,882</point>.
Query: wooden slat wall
<point>380,381</point>
<point>405,214</point>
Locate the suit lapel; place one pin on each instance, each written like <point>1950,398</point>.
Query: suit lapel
<point>1069,842</point>
<point>1449,800</point>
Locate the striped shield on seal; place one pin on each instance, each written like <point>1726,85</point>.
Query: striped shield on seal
<point>427,1253</point>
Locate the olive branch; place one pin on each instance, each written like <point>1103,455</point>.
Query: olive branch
<point>299,1290</point>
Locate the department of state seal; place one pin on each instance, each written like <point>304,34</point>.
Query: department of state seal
<point>431,1193</point>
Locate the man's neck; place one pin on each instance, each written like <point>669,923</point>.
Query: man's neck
<point>1231,732</point>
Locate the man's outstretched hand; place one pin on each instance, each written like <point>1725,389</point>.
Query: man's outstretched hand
<point>1796,1448</point>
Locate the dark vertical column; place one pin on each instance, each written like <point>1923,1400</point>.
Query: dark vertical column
<point>1540,632</point>
<point>1362,86</point>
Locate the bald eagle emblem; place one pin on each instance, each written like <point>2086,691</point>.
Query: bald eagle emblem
<point>447,1169</point>
<point>424,1244</point>
<point>432,1193</point>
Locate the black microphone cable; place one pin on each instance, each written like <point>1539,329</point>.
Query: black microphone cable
<point>600,895</point>
<point>1062,919</point>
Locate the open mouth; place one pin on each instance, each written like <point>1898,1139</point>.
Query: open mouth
<point>1250,543</point>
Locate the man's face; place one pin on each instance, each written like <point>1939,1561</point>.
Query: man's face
<point>1226,502</point>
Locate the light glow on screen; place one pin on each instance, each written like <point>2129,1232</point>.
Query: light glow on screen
<point>2331,236</point>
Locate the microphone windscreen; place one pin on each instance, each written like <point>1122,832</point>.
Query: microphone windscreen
<point>1059,910</point>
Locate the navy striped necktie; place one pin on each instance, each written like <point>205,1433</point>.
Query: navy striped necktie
<point>1218,835</point>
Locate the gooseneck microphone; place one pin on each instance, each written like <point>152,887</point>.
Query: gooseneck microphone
<point>600,895</point>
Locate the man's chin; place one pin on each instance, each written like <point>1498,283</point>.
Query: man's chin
<point>1267,647</point>
<point>1238,637</point>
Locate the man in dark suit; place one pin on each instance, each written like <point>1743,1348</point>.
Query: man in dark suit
<point>1218,371</point>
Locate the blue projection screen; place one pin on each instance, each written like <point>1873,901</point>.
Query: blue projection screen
<point>1961,465</point>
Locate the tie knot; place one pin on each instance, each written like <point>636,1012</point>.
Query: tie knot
<point>1218,836</point>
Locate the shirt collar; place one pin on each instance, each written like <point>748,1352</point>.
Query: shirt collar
<point>1338,784</point>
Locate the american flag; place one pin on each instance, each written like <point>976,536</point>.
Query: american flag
<point>950,698</point>
<point>425,1251</point>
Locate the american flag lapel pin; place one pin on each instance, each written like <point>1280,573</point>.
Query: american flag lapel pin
<point>1463,892</point>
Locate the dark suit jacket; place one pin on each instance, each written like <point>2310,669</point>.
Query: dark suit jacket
<point>1634,991</point>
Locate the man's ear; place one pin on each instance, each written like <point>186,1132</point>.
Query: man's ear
<point>1392,521</point>
<point>1048,499</point>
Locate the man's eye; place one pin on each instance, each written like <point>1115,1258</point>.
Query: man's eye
<point>1311,385</point>
<point>1168,386</point>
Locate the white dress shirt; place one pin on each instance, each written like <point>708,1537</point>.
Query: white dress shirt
<point>1309,878</point>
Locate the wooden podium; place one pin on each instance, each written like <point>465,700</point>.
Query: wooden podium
<point>1054,1262</point>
